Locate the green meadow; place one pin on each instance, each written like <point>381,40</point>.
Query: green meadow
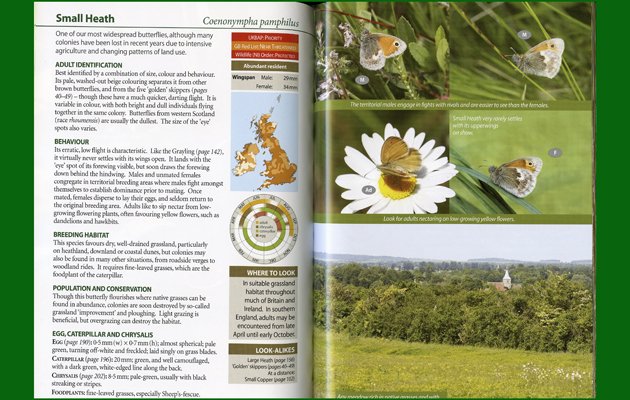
<point>360,365</point>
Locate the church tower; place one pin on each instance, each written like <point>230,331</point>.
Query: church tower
<point>507,281</point>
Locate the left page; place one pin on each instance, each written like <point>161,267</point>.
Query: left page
<point>173,210</point>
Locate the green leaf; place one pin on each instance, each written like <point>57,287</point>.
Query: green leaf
<point>442,54</point>
<point>365,14</point>
<point>485,179</point>
<point>405,30</point>
<point>457,205</point>
<point>351,8</point>
<point>419,53</point>
<point>380,89</point>
<point>359,6</point>
<point>439,34</point>
<point>489,202</point>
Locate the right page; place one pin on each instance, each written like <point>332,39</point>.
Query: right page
<point>454,189</point>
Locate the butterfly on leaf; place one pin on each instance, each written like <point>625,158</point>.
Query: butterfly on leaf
<point>517,177</point>
<point>377,47</point>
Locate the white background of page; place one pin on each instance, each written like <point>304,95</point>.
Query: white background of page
<point>215,284</point>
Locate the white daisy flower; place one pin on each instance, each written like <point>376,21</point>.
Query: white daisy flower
<point>389,194</point>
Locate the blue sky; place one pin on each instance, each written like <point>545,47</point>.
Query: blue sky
<point>458,242</point>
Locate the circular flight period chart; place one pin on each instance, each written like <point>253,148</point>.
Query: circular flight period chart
<point>263,229</point>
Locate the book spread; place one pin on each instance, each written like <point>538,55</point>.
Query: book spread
<point>344,199</point>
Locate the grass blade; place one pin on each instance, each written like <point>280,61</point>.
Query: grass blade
<point>485,179</point>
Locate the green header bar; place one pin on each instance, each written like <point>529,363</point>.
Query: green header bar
<point>468,219</point>
<point>262,349</point>
<point>265,66</point>
<point>263,272</point>
<point>489,105</point>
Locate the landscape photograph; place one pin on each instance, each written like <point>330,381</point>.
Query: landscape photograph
<point>441,311</point>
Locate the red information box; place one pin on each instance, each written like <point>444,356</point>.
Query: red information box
<point>264,37</point>
<point>257,45</point>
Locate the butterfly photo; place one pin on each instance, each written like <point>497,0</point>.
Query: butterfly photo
<point>522,51</point>
<point>384,162</point>
<point>537,164</point>
<point>389,51</point>
<point>517,177</point>
<point>377,47</point>
<point>398,159</point>
<point>544,59</point>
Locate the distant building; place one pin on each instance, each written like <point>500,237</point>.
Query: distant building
<point>505,284</point>
<point>507,281</point>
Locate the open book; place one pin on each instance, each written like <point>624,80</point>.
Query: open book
<point>340,200</point>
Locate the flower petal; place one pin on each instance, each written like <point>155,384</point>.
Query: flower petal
<point>418,210</point>
<point>424,202</point>
<point>417,142</point>
<point>372,146</point>
<point>391,131</point>
<point>378,207</point>
<point>354,195</point>
<point>358,162</point>
<point>435,164</point>
<point>426,148</point>
<point>402,206</point>
<point>409,137</point>
<point>359,205</point>
<point>434,154</point>
<point>324,95</point>
<point>353,181</point>
<point>438,177</point>
<point>438,194</point>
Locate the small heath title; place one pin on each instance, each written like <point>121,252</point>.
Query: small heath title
<point>88,18</point>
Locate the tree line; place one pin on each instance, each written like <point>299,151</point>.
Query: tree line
<point>550,310</point>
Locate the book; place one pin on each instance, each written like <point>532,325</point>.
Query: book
<point>347,199</point>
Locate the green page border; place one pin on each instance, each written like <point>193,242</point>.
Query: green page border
<point>612,275</point>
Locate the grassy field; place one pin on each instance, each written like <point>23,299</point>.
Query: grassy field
<point>360,365</point>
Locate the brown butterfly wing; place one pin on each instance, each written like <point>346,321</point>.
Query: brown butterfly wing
<point>411,162</point>
<point>398,159</point>
<point>517,177</point>
<point>371,55</point>
<point>393,149</point>
<point>544,59</point>
<point>390,45</point>
<point>555,45</point>
<point>531,164</point>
